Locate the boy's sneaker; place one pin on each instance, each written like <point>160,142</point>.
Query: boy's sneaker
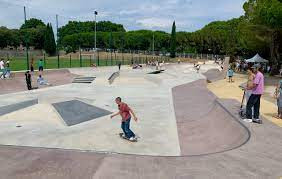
<point>248,120</point>
<point>132,139</point>
<point>122,135</point>
<point>258,121</point>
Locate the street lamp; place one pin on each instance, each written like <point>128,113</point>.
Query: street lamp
<point>95,47</point>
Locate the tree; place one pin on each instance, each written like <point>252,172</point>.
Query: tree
<point>265,18</point>
<point>49,40</point>
<point>9,37</point>
<point>32,23</point>
<point>74,27</point>
<point>173,41</point>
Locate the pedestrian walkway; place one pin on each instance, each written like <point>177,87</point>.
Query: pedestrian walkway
<point>223,89</point>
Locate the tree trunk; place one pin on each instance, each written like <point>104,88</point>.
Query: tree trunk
<point>274,52</point>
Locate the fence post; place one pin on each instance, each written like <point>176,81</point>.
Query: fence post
<point>58,59</point>
<point>80,60</point>
<point>90,61</point>
<point>116,58</point>
<point>111,58</point>
<point>44,59</point>
<point>70,60</point>
<point>132,59</point>
<point>98,62</point>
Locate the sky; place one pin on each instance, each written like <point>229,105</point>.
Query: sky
<point>190,15</point>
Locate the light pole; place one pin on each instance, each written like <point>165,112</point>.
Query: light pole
<point>26,42</point>
<point>57,49</point>
<point>153,43</point>
<point>95,45</point>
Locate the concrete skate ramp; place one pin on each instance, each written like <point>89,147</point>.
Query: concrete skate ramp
<point>215,75</point>
<point>18,106</point>
<point>204,125</point>
<point>75,112</point>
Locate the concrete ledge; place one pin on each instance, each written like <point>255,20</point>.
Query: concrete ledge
<point>113,77</point>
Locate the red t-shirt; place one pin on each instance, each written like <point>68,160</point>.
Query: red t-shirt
<point>124,111</point>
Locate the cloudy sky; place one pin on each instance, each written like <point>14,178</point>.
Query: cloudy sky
<point>189,15</point>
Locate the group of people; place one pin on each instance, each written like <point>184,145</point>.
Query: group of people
<point>241,66</point>
<point>40,80</point>
<point>253,92</point>
<point>157,64</point>
<point>5,71</point>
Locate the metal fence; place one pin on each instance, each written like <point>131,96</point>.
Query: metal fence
<point>89,58</point>
<point>83,59</point>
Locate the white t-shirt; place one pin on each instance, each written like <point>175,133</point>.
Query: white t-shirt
<point>1,65</point>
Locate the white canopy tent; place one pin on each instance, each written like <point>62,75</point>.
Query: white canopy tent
<point>257,59</point>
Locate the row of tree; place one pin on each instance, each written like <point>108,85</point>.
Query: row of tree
<point>32,33</point>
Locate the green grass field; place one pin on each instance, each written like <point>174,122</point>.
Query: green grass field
<point>20,63</point>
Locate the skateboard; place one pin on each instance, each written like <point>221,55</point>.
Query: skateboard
<point>125,138</point>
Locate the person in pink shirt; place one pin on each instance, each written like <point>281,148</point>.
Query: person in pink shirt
<point>254,100</point>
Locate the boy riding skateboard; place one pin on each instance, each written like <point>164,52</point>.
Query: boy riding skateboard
<point>125,113</point>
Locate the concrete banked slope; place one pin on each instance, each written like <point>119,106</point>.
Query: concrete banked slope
<point>204,125</point>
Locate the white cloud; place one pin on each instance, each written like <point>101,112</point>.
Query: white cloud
<point>154,23</point>
<point>153,14</point>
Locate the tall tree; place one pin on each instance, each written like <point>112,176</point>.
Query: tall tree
<point>49,40</point>
<point>265,18</point>
<point>173,41</point>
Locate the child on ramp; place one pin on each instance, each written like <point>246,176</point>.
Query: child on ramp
<point>125,113</point>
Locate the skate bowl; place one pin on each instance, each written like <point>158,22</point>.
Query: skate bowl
<point>204,125</point>
<point>213,75</point>
<point>188,119</point>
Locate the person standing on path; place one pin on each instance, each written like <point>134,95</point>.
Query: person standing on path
<point>230,74</point>
<point>119,65</point>
<point>40,65</point>
<point>124,112</point>
<point>2,68</point>
<point>254,100</point>
<point>250,82</point>
<point>278,96</point>
<point>28,80</point>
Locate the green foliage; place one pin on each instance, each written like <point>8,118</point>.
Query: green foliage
<point>265,21</point>
<point>49,40</point>
<point>74,27</point>
<point>32,23</point>
<point>9,37</point>
<point>173,41</point>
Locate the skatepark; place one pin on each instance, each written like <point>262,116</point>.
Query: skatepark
<point>184,128</point>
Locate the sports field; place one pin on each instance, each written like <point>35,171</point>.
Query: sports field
<point>86,60</point>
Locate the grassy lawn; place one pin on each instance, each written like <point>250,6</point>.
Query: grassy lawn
<point>20,63</point>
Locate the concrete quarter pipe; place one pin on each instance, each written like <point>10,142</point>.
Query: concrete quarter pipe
<point>204,125</point>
